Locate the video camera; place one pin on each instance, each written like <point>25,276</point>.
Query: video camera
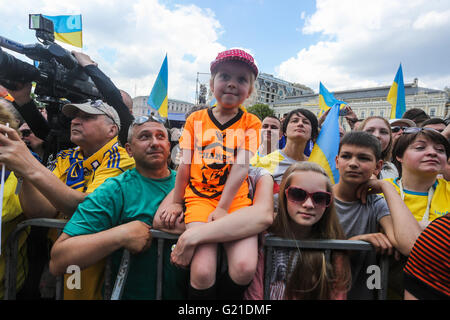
<point>58,74</point>
<point>59,80</point>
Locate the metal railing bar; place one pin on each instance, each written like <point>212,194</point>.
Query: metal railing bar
<point>12,251</point>
<point>270,242</point>
<point>319,244</point>
<point>267,271</point>
<point>384,266</point>
<point>122,275</point>
<point>159,270</point>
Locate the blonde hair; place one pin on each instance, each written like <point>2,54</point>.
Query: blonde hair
<point>8,117</point>
<point>323,277</point>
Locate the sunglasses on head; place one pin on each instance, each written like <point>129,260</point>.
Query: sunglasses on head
<point>143,119</point>
<point>396,129</point>
<point>298,195</point>
<point>99,103</point>
<point>25,133</point>
<point>417,129</point>
<point>96,103</point>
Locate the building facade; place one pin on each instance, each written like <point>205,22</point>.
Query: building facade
<point>140,106</point>
<point>372,101</point>
<point>268,89</point>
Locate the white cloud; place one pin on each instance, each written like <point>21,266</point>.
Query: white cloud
<point>432,19</point>
<point>363,42</point>
<point>129,39</point>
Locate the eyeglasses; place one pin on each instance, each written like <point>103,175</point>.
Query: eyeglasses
<point>26,133</point>
<point>298,195</point>
<point>396,129</point>
<point>417,129</point>
<point>143,119</point>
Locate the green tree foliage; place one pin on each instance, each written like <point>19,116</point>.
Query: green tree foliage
<point>261,110</point>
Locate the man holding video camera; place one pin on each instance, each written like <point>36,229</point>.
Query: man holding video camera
<point>119,99</point>
<point>74,174</point>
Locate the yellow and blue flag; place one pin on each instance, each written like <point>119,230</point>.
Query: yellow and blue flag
<point>158,98</point>
<point>396,95</point>
<point>326,147</point>
<point>327,100</point>
<point>68,29</point>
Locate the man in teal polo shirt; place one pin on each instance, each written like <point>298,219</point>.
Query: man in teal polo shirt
<point>119,214</point>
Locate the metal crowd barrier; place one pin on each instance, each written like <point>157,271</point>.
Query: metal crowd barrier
<point>327,246</point>
<point>160,237</point>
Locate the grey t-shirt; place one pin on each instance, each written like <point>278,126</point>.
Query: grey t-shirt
<point>357,218</point>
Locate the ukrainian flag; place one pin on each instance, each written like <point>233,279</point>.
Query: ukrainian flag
<point>326,147</point>
<point>396,95</point>
<point>158,97</point>
<point>68,29</point>
<point>327,100</point>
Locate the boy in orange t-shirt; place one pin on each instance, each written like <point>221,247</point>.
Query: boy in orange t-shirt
<point>217,145</point>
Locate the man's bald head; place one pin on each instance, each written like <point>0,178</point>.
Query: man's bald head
<point>127,100</point>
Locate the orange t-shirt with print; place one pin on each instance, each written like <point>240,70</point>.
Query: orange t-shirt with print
<point>214,148</point>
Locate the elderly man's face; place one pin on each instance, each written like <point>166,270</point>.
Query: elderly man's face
<point>89,130</point>
<point>149,145</point>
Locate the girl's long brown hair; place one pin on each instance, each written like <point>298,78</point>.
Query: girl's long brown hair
<point>312,277</point>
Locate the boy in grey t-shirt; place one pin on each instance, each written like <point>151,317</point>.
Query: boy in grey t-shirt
<point>362,212</point>
<point>362,219</point>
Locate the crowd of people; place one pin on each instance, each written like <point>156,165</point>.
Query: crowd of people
<point>223,183</point>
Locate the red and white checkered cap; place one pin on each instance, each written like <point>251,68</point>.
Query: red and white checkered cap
<point>235,54</point>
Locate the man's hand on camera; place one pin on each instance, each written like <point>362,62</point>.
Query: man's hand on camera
<point>83,59</point>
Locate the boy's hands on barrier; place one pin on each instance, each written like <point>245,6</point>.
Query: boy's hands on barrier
<point>136,236</point>
<point>378,240</point>
<point>170,214</point>
<point>217,214</point>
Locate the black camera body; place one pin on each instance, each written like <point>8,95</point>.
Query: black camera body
<point>58,74</point>
<point>59,80</point>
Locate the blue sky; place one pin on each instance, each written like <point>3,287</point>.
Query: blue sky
<point>344,44</point>
<point>272,29</point>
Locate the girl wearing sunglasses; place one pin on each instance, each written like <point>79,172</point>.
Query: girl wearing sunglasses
<point>306,211</point>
